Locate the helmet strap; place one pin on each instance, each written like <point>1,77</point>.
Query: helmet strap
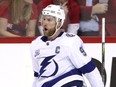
<point>57,28</point>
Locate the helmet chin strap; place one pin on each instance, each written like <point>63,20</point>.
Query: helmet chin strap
<point>57,29</point>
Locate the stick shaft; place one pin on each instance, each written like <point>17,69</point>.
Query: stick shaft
<point>103,50</point>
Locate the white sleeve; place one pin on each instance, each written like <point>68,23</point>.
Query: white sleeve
<point>35,66</point>
<point>34,60</point>
<point>84,63</point>
<point>78,56</point>
<point>94,78</point>
<point>35,82</point>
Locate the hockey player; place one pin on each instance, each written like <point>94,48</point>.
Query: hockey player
<point>58,58</point>
<point>72,8</point>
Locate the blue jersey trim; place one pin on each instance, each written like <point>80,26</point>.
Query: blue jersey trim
<point>88,67</point>
<point>76,83</point>
<point>35,74</point>
<point>54,81</point>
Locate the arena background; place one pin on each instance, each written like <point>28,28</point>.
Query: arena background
<point>16,66</point>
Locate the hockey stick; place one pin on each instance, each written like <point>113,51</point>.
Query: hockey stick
<point>103,50</point>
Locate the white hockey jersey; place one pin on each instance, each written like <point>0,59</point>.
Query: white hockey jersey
<point>62,60</point>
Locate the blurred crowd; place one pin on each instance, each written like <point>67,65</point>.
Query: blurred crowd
<point>83,17</point>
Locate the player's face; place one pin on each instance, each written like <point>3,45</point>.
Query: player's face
<point>49,25</point>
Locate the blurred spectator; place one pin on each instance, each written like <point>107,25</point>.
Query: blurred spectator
<point>89,24</point>
<point>36,1</point>
<point>1,7</point>
<point>17,18</point>
<point>1,0</point>
<point>72,9</point>
<point>110,17</point>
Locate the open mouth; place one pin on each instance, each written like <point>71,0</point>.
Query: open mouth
<point>45,29</point>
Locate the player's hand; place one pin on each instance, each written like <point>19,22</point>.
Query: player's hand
<point>100,8</point>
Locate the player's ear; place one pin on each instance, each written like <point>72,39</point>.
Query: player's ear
<point>59,23</point>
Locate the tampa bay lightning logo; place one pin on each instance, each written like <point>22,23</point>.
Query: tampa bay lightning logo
<point>45,63</point>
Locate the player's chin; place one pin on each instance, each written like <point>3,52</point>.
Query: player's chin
<point>46,33</point>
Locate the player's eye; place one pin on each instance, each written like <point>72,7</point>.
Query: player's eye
<point>49,19</point>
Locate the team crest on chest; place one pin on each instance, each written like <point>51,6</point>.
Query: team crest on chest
<point>48,61</point>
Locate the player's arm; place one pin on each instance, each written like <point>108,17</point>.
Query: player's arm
<point>84,64</point>
<point>34,64</point>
